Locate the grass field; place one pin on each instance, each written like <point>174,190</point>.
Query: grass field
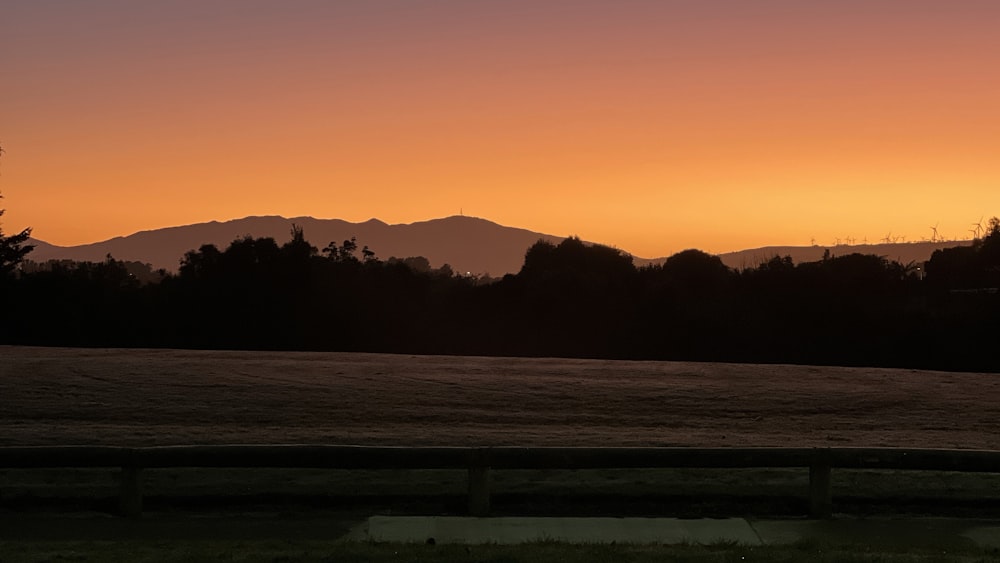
<point>160,397</point>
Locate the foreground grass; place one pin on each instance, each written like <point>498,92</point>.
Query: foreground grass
<point>335,551</point>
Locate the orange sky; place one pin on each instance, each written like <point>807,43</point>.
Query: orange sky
<point>653,126</point>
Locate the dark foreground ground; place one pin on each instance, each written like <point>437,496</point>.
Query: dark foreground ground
<point>328,537</point>
<point>161,397</point>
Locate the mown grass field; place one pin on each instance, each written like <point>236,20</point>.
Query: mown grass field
<point>60,396</point>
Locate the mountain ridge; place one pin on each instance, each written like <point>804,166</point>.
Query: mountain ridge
<point>468,244</point>
<point>902,252</point>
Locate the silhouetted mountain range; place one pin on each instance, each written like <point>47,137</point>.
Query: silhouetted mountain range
<point>468,244</point>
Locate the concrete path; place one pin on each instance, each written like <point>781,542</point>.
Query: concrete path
<point>455,529</point>
<point>902,532</point>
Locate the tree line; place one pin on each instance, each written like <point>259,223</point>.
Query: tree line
<point>568,300</point>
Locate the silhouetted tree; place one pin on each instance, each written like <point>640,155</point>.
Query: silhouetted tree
<point>861,272</point>
<point>141,272</point>
<point>572,262</point>
<point>344,252</point>
<point>202,262</point>
<point>12,248</point>
<point>990,253</point>
<point>968,267</point>
<point>686,307</point>
<point>84,303</point>
<point>368,255</point>
<point>417,264</point>
<point>298,248</point>
<point>568,299</point>
<point>954,268</point>
<point>697,273</point>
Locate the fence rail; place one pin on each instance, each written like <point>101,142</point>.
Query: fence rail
<point>479,462</point>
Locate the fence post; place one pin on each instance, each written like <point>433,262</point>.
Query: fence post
<point>130,499</point>
<point>820,500</point>
<point>479,483</point>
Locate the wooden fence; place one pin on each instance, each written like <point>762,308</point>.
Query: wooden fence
<point>479,462</point>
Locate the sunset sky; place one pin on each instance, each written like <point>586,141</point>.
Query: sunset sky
<point>651,125</point>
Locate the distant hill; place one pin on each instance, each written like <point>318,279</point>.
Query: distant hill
<point>899,252</point>
<point>468,244</point>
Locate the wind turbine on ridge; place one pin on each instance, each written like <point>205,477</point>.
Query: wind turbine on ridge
<point>978,231</point>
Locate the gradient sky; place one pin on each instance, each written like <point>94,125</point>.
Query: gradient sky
<point>651,125</point>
